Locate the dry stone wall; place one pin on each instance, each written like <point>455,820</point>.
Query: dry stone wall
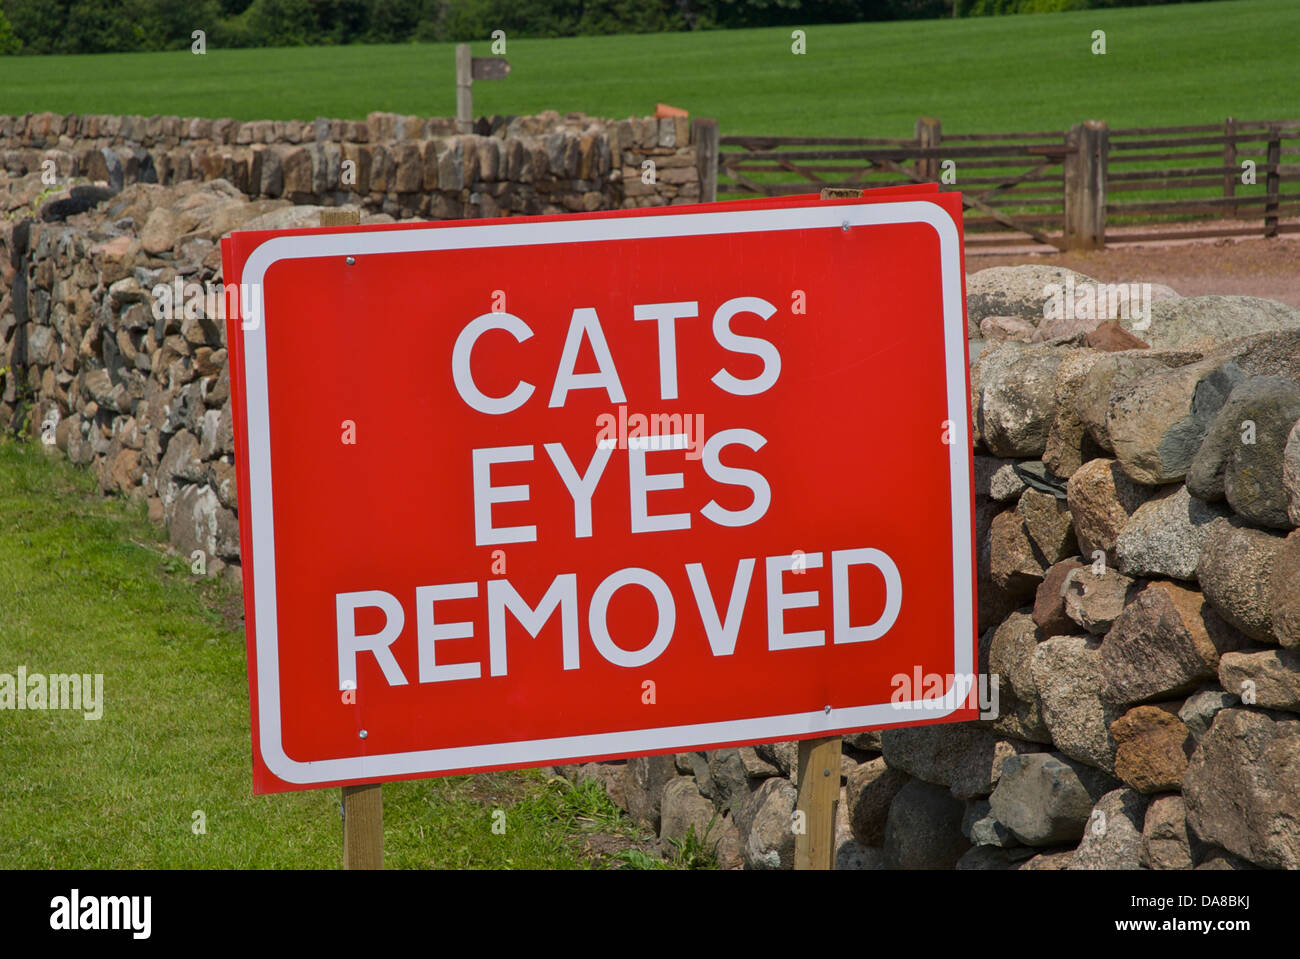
<point>1137,497</point>
<point>404,166</point>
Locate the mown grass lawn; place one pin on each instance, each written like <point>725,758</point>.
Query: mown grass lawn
<point>1164,65</point>
<point>86,587</point>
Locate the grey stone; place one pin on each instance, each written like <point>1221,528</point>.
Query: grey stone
<point>1284,593</point>
<point>1008,652</point>
<point>1165,843</point>
<point>1005,484</point>
<point>984,858</point>
<point>1235,573</point>
<point>1156,423</point>
<point>644,779</point>
<point>982,828</point>
<point>1112,838</point>
<point>1015,291</point>
<point>1068,674</point>
<point>683,809</point>
<point>853,856</point>
<point>1049,525</point>
<point>1095,599</point>
<point>1108,373</point>
<point>1252,428</point>
<point>1017,399</point>
<point>1242,787</point>
<point>769,841</point>
<point>1202,321</point>
<point>1046,798</point>
<point>1269,678</point>
<point>1165,535</point>
<point>871,788</point>
<point>1291,474</point>
<point>1200,708</point>
<point>923,830</point>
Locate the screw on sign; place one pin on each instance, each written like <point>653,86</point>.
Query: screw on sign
<point>737,539</point>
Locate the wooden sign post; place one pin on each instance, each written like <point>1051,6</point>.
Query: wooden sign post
<point>363,806</point>
<point>469,69</point>
<point>819,796</point>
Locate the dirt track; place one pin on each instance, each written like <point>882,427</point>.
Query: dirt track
<point>1251,266</point>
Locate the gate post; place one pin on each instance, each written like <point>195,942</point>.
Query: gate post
<point>704,134</point>
<point>1085,185</point>
<point>1273,179</point>
<point>927,138</point>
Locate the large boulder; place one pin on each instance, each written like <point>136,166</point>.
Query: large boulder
<point>1008,653</point>
<point>1166,535</point>
<point>870,790</point>
<point>1165,842</point>
<point>1291,474</point>
<point>1242,787</point>
<point>1204,321</point>
<point>1016,398</point>
<point>1284,593</point>
<point>1156,424</point>
<point>769,841</point>
<point>1110,372</point>
<point>1068,674</point>
<point>1235,573</point>
<point>923,830</point>
<point>1021,292</point>
<point>1094,598</point>
<point>1046,798</point>
<point>1113,837</point>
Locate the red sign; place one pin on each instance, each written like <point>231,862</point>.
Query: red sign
<point>529,491</point>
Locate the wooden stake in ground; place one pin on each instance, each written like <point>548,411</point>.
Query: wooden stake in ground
<point>819,796</point>
<point>363,806</point>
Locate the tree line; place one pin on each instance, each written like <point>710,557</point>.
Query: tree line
<point>103,26</point>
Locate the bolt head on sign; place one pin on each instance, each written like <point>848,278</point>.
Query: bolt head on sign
<point>722,449</point>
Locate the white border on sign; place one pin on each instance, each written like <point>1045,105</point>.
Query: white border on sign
<point>788,726</point>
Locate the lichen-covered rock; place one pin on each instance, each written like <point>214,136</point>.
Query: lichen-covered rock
<point>1014,291</point>
<point>1157,423</point>
<point>1095,598</point>
<point>1284,593</point>
<point>1016,399</point>
<point>1242,453</point>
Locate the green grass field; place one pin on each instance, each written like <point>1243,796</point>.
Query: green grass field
<point>85,587</point>
<point>1164,65</point>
